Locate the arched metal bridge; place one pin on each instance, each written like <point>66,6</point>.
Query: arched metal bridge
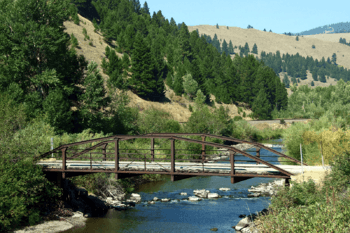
<point>110,155</point>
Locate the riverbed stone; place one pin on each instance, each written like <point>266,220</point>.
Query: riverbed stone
<point>224,189</point>
<point>165,200</point>
<point>135,197</point>
<point>213,195</point>
<point>201,193</point>
<point>193,198</point>
<point>243,223</point>
<point>151,202</point>
<point>183,194</point>
<point>155,198</point>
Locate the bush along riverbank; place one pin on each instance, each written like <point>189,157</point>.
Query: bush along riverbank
<point>80,203</point>
<point>307,207</point>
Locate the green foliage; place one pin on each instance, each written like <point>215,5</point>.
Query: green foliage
<point>126,61</point>
<point>286,81</point>
<point>261,106</point>
<point>313,46</point>
<point>199,100</point>
<point>312,83</point>
<point>157,121</point>
<point>190,85</point>
<point>178,84</point>
<point>255,49</point>
<point>190,108</point>
<point>237,118</point>
<point>169,80</point>
<point>297,38</point>
<point>202,121</point>
<point>303,206</point>
<point>74,40</point>
<point>142,81</point>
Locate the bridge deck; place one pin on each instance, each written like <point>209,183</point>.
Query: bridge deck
<point>180,167</point>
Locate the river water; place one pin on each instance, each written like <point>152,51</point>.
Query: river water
<point>185,216</point>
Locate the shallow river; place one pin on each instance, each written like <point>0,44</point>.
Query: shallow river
<point>185,216</point>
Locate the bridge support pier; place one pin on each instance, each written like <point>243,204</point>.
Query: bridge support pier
<point>287,183</point>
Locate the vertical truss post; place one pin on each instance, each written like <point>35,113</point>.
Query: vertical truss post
<point>203,152</point>
<point>152,149</point>
<point>116,157</point>
<point>232,161</point>
<point>172,169</point>
<point>104,152</point>
<point>61,180</point>
<point>258,153</point>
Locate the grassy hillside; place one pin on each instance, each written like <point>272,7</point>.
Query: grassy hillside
<point>175,105</point>
<point>325,45</point>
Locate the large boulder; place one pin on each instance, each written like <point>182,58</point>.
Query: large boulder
<point>135,197</point>
<point>213,195</point>
<point>201,193</point>
<point>78,200</point>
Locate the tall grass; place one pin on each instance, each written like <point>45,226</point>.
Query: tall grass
<point>309,208</point>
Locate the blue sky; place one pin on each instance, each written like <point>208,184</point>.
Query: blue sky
<point>279,16</point>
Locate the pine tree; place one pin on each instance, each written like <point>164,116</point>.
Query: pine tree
<point>184,43</point>
<point>126,61</point>
<point>286,81</point>
<point>264,30</point>
<point>230,48</point>
<point>178,85</point>
<point>145,9</point>
<point>334,58</point>
<point>297,38</point>
<point>261,106</point>
<point>246,47</point>
<point>217,26</point>
<point>225,48</point>
<point>143,82</point>
<point>312,83</point>
<point>255,49</point>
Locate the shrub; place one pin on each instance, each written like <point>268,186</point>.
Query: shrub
<point>313,46</point>
<point>237,118</point>
<point>190,108</point>
<point>282,121</point>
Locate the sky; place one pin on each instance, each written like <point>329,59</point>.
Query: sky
<point>279,16</point>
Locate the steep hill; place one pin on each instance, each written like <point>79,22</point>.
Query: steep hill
<point>175,105</point>
<point>325,45</point>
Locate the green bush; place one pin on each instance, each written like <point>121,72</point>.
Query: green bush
<point>237,118</point>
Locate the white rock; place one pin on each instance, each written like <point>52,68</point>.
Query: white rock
<point>224,189</point>
<point>135,195</point>
<point>165,200</point>
<point>183,194</point>
<point>109,199</point>
<point>213,195</point>
<point>151,202</point>
<point>193,198</point>
<point>155,199</point>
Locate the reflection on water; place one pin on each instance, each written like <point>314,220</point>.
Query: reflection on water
<point>184,216</point>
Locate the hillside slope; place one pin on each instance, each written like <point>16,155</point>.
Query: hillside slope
<point>175,105</point>
<point>325,45</point>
